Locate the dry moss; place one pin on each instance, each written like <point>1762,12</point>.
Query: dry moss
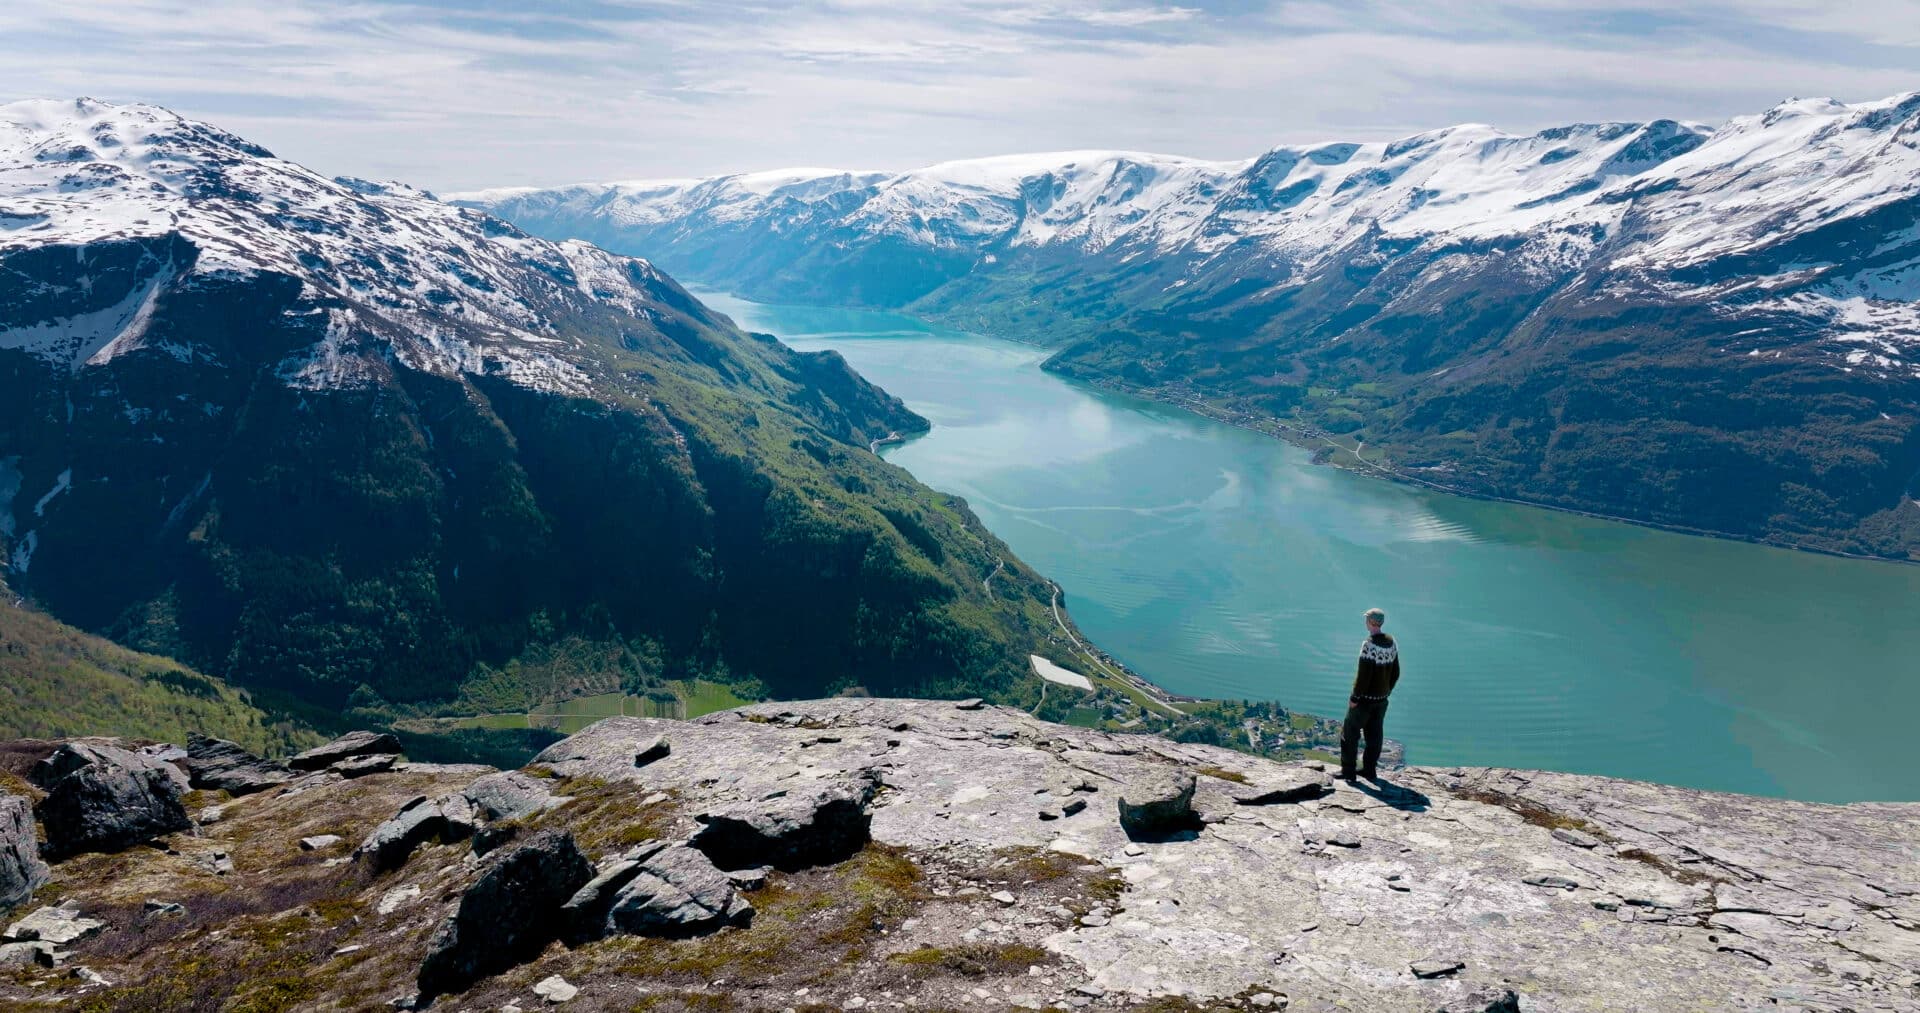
<point>833,914</point>
<point>973,960</point>
<point>14,784</point>
<point>1087,884</point>
<point>1223,774</point>
<point>609,816</point>
<point>1677,873</point>
<point>1532,812</point>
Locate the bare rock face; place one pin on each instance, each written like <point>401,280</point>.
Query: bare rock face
<point>103,798</point>
<point>508,916</point>
<point>346,747</point>
<point>1436,889</point>
<point>812,824</point>
<point>219,765</point>
<point>21,870</point>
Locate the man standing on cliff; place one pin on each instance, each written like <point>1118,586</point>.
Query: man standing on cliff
<point>1367,707</point>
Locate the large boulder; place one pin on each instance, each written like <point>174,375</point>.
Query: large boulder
<point>73,756</point>
<point>510,795</point>
<point>345,747</point>
<point>657,889</point>
<point>677,893</point>
<point>816,824</point>
<point>219,765</point>
<point>102,798</point>
<point>446,819</point>
<point>21,870</point>
<point>508,916</point>
<point>1158,804</point>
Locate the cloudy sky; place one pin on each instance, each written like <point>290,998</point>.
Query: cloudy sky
<point>454,94</point>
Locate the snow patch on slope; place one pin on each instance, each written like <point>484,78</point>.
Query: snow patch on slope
<point>399,275</point>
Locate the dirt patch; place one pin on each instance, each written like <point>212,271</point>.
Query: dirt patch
<point>1532,812</point>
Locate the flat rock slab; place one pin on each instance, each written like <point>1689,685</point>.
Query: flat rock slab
<point>352,744</point>
<point>56,925</point>
<point>511,795</point>
<point>361,766</point>
<point>219,765</point>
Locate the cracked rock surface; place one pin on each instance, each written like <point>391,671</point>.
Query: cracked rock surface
<point>983,865</point>
<point>1570,891</point>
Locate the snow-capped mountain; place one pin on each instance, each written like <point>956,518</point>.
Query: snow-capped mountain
<point>339,438</point>
<point>1463,278</point>
<point>1661,197</point>
<point>383,268</point>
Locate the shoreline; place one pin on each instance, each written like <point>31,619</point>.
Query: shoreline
<point>1293,434</point>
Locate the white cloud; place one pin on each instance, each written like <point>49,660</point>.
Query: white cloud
<point>601,89</point>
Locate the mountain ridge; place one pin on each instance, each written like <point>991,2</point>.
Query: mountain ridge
<point>340,439</point>
<point>1506,315</point>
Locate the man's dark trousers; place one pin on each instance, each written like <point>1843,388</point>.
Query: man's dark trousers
<point>1366,717</point>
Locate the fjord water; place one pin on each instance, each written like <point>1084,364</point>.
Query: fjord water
<point>1220,563</point>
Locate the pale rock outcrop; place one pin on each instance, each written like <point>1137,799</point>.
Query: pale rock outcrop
<point>56,925</point>
<point>1446,889</point>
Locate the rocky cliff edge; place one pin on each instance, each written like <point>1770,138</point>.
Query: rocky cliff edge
<point>857,853</point>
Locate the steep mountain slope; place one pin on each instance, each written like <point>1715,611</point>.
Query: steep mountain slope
<point>342,439</point>
<point>56,681</point>
<point>1703,327</point>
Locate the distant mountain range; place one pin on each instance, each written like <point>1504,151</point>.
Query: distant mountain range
<point>1706,327</point>
<point>346,442</point>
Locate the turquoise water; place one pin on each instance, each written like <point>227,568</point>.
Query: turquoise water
<point>1220,563</point>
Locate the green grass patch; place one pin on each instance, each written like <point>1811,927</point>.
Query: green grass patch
<point>57,682</point>
<point>689,698</point>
